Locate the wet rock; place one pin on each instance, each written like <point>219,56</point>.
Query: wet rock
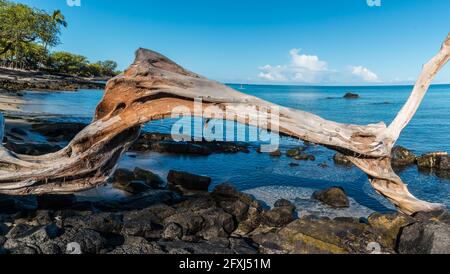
<point>180,247</point>
<point>32,149</point>
<point>172,231</point>
<point>190,222</point>
<point>56,132</point>
<point>402,157</point>
<point>341,160</point>
<point>334,197</point>
<point>282,214</point>
<point>389,225</point>
<point>146,199</point>
<point>244,208</point>
<point>148,178</point>
<point>138,181</point>
<point>14,204</point>
<point>147,223</point>
<point>137,246</point>
<point>100,222</point>
<point>132,187</point>
<point>90,241</point>
<point>243,246</point>
<point>438,162</point>
<point>294,164</point>
<point>276,153</point>
<point>316,236</point>
<point>163,143</point>
<point>187,181</point>
<point>32,240</point>
<point>350,95</point>
<point>295,152</point>
<point>305,157</point>
<point>216,224</point>
<point>429,235</point>
<point>55,202</point>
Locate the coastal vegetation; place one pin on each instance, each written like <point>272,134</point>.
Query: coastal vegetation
<point>27,36</point>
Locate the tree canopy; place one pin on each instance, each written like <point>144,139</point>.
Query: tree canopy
<point>27,35</point>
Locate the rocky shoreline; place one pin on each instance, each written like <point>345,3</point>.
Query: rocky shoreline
<point>16,81</point>
<point>182,217</point>
<point>224,221</point>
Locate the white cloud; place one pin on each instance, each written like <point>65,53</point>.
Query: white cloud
<point>364,74</point>
<point>271,73</point>
<point>301,68</point>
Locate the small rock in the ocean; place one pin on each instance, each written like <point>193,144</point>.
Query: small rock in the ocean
<point>341,160</point>
<point>402,157</point>
<point>132,187</point>
<point>305,157</point>
<point>188,181</point>
<point>334,197</point>
<point>276,153</point>
<point>438,162</point>
<point>351,95</point>
<point>148,178</point>
<point>294,164</point>
<point>140,180</point>
<point>295,152</point>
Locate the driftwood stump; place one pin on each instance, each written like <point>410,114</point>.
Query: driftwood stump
<point>154,85</point>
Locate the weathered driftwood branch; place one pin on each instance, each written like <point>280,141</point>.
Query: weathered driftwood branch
<point>153,86</point>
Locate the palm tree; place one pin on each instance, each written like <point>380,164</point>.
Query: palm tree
<point>59,18</point>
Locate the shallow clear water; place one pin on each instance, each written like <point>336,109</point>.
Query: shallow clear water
<point>267,177</point>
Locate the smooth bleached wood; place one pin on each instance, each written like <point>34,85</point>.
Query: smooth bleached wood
<point>154,85</point>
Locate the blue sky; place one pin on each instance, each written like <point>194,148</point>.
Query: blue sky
<point>319,42</point>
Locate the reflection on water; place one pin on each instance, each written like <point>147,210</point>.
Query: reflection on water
<point>269,178</point>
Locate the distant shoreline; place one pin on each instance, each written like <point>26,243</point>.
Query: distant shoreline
<point>19,80</point>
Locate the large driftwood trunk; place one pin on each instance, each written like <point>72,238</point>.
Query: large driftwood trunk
<point>154,85</point>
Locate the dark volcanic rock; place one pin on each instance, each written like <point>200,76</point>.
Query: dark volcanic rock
<point>341,160</point>
<point>282,214</point>
<point>56,132</point>
<point>14,204</point>
<point>350,95</point>
<point>163,143</point>
<point>148,178</point>
<point>100,222</point>
<point>334,197</point>
<point>317,236</point>
<point>188,181</point>
<point>429,235</point>
<point>138,181</point>
<point>438,162</point>
<point>146,199</point>
<point>32,149</point>
<point>402,157</point>
<point>389,225</point>
<point>56,202</point>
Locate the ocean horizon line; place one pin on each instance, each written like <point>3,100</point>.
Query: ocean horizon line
<point>333,86</point>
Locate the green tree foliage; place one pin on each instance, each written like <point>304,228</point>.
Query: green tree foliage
<point>24,30</point>
<point>27,34</point>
